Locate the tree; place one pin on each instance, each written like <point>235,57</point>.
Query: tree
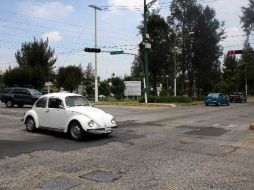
<point>1,81</point>
<point>208,33</point>
<point>117,87</point>
<point>248,17</point>
<point>197,36</point>
<point>89,78</point>
<point>183,15</point>
<point>137,65</point>
<point>26,77</point>
<point>35,60</point>
<point>104,88</point>
<point>37,53</point>
<point>158,57</point>
<point>69,77</point>
<point>231,75</point>
<point>246,68</point>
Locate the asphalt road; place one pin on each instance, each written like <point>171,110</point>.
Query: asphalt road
<point>187,147</point>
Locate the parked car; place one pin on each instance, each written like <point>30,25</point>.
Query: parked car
<point>216,99</point>
<point>237,97</point>
<point>19,96</point>
<point>68,113</point>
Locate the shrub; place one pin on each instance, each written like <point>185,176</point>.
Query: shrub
<point>200,98</point>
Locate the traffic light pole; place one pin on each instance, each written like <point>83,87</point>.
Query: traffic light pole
<point>146,47</point>
<point>95,55</point>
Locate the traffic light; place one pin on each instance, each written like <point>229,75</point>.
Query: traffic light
<point>233,52</point>
<point>92,50</point>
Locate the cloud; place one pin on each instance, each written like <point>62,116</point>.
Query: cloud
<point>47,10</point>
<point>52,36</point>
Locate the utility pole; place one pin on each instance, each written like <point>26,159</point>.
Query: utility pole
<point>95,46</point>
<point>146,47</point>
<point>146,86</point>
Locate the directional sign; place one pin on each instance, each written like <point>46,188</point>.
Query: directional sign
<point>116,52</point>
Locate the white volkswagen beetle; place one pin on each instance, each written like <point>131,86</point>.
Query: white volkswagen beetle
<point>68,113</point>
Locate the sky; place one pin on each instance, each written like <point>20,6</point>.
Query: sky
<point>69,26</point>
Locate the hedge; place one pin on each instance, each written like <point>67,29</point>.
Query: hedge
<point>166,99</point>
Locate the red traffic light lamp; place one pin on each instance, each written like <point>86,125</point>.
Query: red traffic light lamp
<point>92,50</point>
<point>233,52</point>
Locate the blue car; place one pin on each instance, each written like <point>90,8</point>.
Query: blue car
<point>216,99</point>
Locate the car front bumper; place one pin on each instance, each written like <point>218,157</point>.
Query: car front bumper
<point>212,102</point>
<point>98,131</point>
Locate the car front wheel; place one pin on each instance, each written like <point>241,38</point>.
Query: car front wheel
<point>76,131</point>
<point>9,103</point>
<point>30,124</point>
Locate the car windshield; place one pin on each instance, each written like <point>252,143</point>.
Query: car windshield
<point>35,92</point>
<point>213,95</point>
<point>72,101</point>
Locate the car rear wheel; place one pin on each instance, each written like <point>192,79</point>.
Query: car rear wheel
<point>76,131</point>
<point>30,124</point>
<point>9,103</point>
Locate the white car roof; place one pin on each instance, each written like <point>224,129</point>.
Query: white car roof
<point>61,95</point>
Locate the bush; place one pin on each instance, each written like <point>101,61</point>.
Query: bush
<point>167,99</point>
<point>200,98</point>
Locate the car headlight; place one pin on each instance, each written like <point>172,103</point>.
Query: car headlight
<point>113,121</point>
<point>91,123</point>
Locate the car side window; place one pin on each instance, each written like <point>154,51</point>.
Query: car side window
<point>55,103</point>
<point>16,91</point>
<point>41,103</point>
<point>24,91</point>
<point>6,90</point>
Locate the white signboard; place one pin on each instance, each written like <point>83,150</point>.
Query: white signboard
<point>132,88</point>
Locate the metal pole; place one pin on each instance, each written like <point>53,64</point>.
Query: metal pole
<point>145,54</point>
<point>175,72</point>
<point>95,59</point>
<point>246,81</point>
<point>95,54</point>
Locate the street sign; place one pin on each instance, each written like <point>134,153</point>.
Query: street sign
<point>116,52</point>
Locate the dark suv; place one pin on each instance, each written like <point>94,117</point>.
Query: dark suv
<point>19,96</point>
